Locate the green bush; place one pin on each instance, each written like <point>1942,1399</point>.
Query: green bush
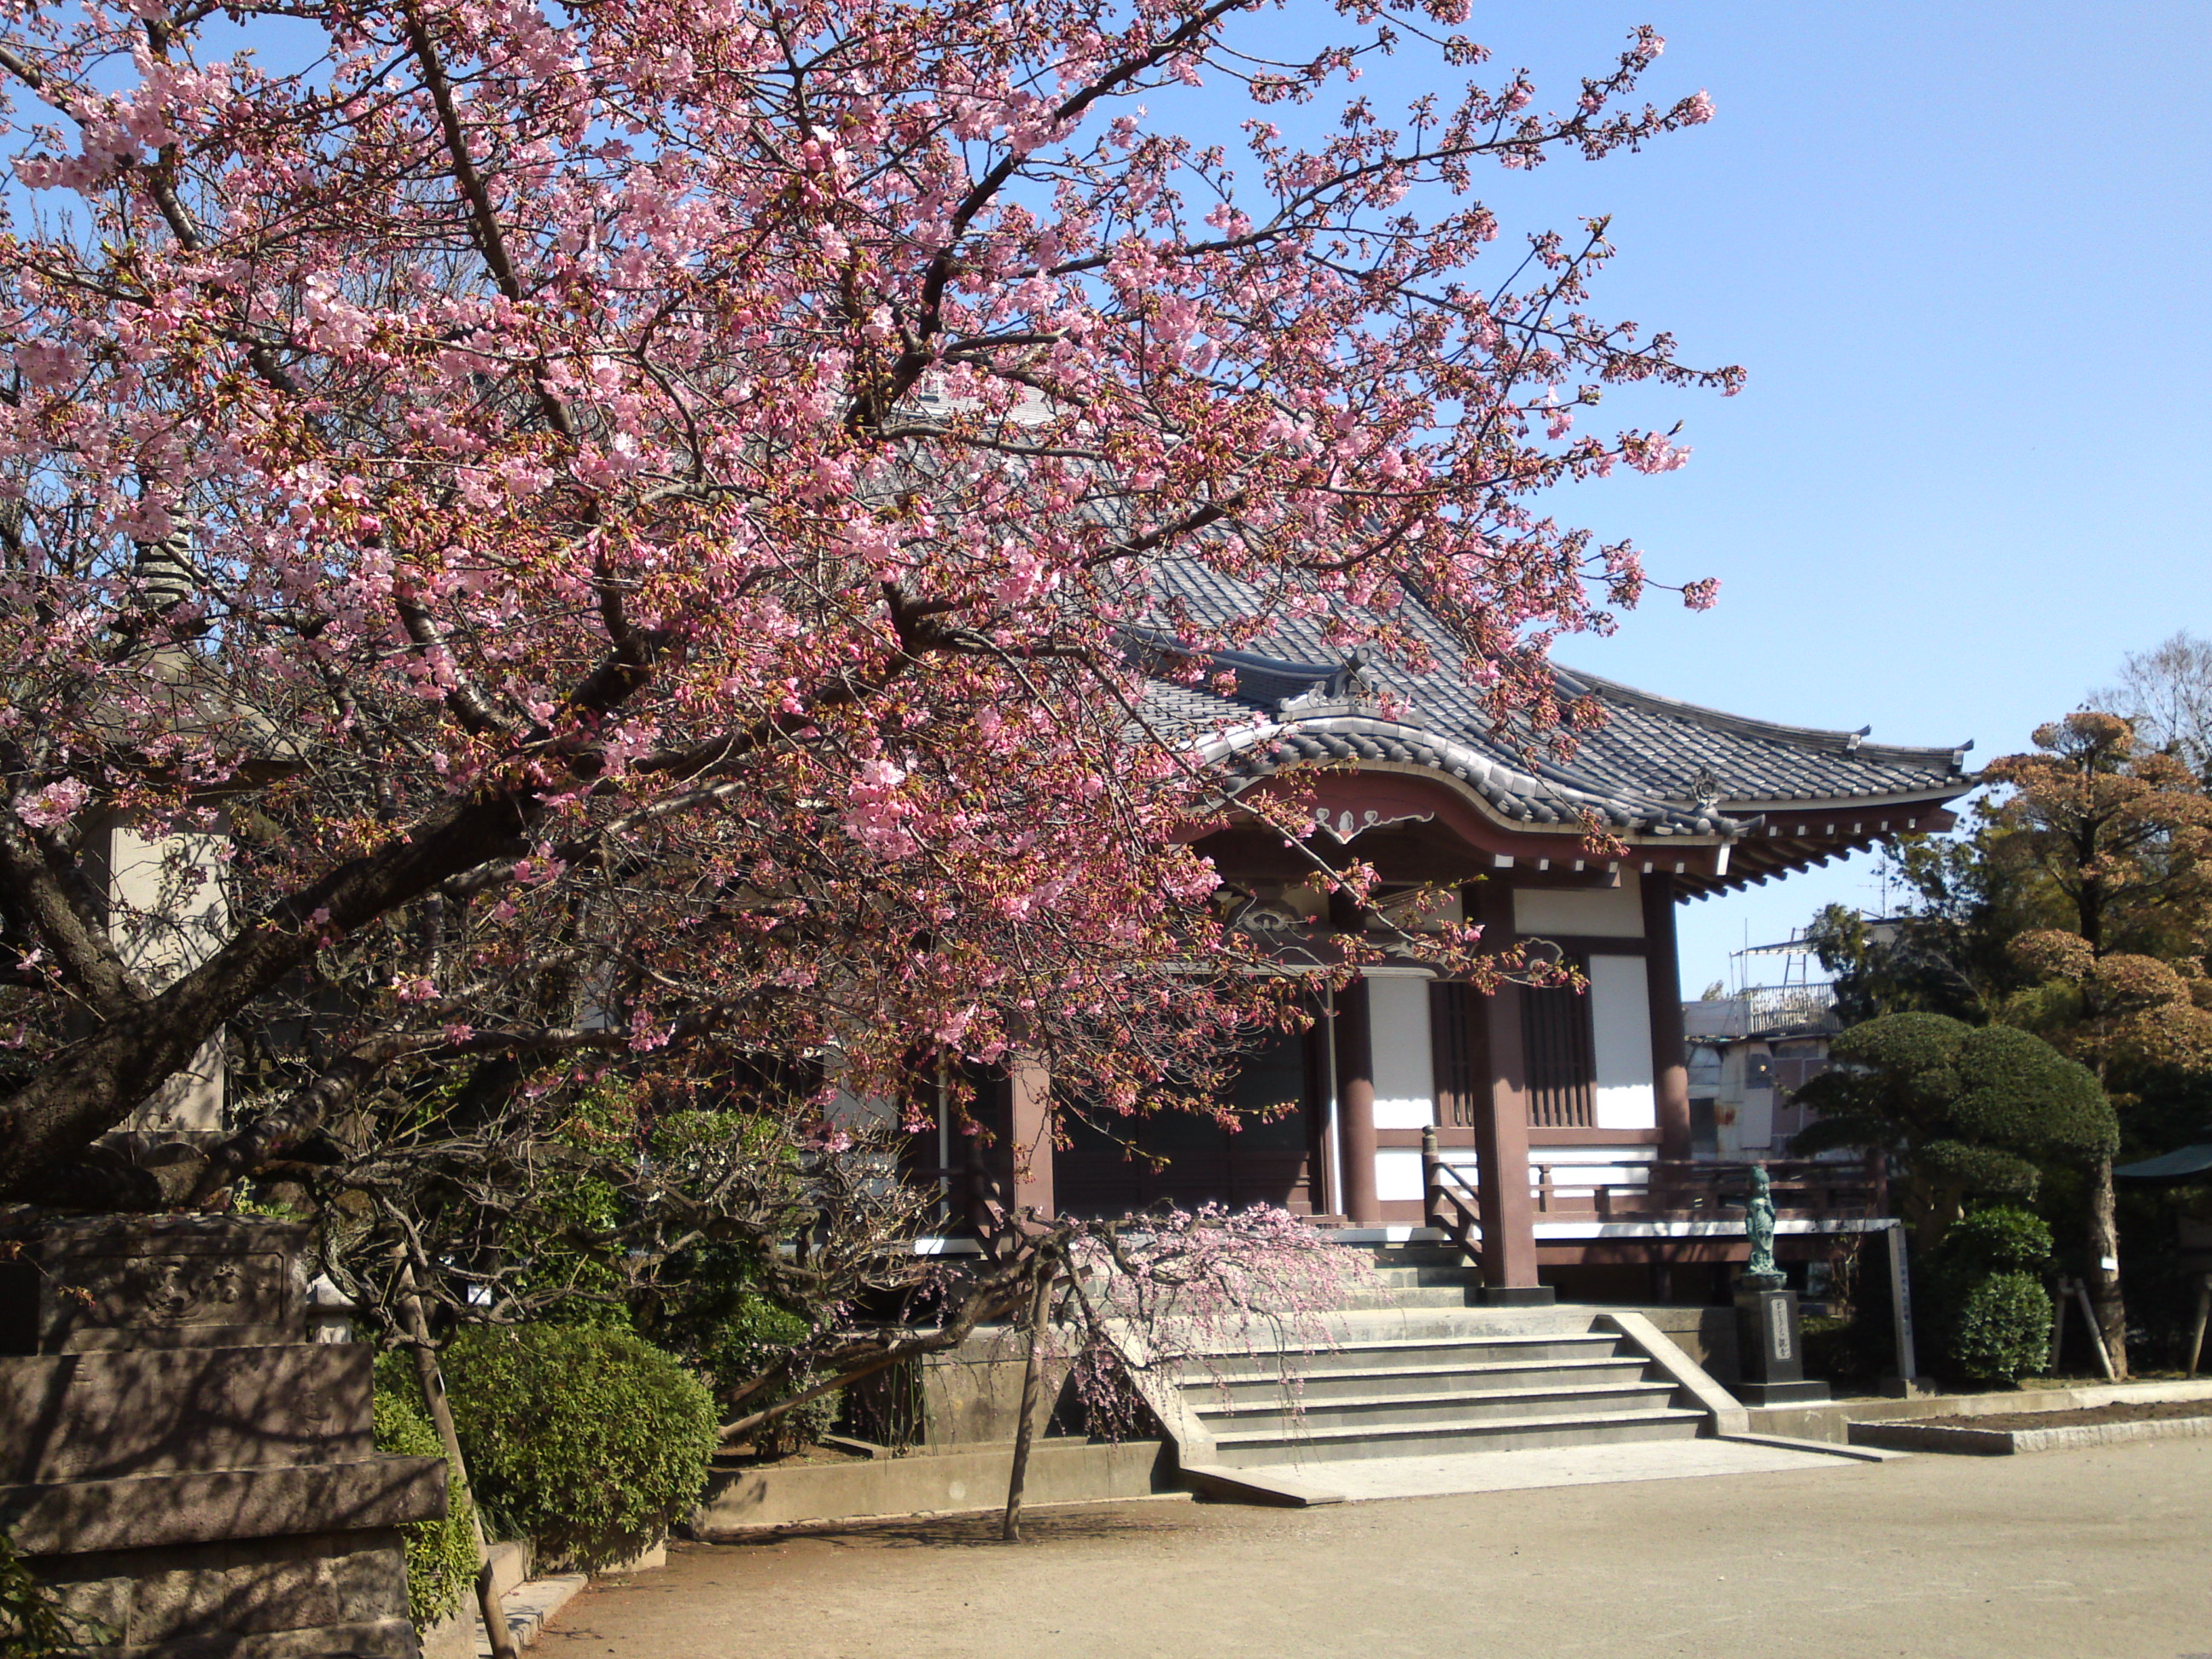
<point>2001,1329</point>
<point>1996,1238</point>
<point>32,1624</point>
<point>587,1440</point>
<point>441,1555</point>
<point>751,1334</point>
<point>1985,1294</point>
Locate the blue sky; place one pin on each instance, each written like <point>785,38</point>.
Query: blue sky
<point>1962,251</point>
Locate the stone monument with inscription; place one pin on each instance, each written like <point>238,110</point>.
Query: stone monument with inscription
<point>178,1456</point>
<point>1769,1347</point>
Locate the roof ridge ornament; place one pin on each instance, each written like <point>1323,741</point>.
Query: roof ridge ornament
<point>1350,689</point>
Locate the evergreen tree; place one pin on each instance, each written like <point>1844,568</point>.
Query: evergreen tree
<point>1966,1112</point>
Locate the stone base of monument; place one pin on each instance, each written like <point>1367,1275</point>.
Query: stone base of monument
<point>1782,1393</point>
<point>1770,1350</point>
<point>196,1476</point>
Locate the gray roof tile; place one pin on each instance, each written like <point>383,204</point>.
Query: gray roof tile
<point>1640,771</point>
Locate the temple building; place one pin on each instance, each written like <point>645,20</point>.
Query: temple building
<point>1556,1121</point>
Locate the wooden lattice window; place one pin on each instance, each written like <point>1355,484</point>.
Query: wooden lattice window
<point>1558,1057</point>
<point>1462,1054</point>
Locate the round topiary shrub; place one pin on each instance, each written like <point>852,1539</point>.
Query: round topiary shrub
<point>441,1555</point>
<point>1997,1238</point>
<point>2000,1327</point>
<point>588,1440</point>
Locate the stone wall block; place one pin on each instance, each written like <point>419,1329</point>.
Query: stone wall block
<point>196,1506</point>
<point>152,1282</point>
<point>205,1593</point>
<point>196,1476</point>
<point>107,1414</point>
<point>975,1395</point>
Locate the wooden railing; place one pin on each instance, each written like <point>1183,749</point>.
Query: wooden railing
<point>1449,1201</point>
<point>1675,1191</point>
<point>1685,1191</point>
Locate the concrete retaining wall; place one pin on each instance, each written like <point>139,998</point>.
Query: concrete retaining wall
<point>2002,1442</point>
<point>1832,1421</point>
<point>1706,1334</point>
<point>1061,1471</point>
<point>973,1396</point>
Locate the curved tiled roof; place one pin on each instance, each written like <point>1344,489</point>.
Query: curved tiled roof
<point>1515,793</point>
<point>1656,767</point>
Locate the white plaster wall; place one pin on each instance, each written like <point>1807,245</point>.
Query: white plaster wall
<point>1755,1123</point>
<point>1397,1175</point>
<point>1625,1156</point>
<point>1621,1022</point>
<point>849,1110</point>
<point>1405,1068</point>
<point>1617,911</point>
<point>1398,1172</point>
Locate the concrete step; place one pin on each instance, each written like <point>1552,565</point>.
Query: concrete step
<point>1463,1407</point>
<point>1411,1296</point>
<point>1417,1277</point>
<point>1350,1353</point>
<point>1242,1449</point>
<point>1367,1324</point>
<point>1427,1254</point>
<point>1447,1375</point>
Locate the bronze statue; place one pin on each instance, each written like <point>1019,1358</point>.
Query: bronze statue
<point>1761,1271</point>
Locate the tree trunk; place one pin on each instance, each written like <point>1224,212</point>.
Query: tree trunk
<point>2105,1269</point>
<point>1009,1529</point>
<point>441,1414</point>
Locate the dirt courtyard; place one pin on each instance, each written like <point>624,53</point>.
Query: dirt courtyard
<point>2099,1554</point>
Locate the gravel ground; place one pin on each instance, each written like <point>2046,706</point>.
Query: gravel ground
<point>2098,1554</point>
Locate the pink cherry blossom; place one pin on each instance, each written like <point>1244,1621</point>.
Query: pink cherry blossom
<point>640,513</point>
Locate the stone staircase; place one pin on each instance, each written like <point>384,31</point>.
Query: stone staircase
<point>1411,1369</point>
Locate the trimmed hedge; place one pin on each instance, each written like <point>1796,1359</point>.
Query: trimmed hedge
<point>2001,1329</point>
<point>1988,1296</point>
<point>441,1555</point>
<point>587,1440</point>
<point>751,1336</point>
<point>1997,1238</point>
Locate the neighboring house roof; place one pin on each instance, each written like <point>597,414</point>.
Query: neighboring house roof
<point>1780,796</point>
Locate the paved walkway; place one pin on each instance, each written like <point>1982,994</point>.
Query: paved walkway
<point>1367,1478</point>
<point>2100,1554</point>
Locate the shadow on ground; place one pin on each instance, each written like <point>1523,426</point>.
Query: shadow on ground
<point>962,1532</point>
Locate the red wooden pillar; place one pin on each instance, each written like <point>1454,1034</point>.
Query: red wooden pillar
<point>1355,1106</point>
<point>1662,973</point>
<point>1501,1133</point>
<point>1030,1087</point>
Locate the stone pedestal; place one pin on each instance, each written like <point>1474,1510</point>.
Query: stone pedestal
<point>1770,1355</point>
<point>1516,1296</point>
<point>195,1475</point>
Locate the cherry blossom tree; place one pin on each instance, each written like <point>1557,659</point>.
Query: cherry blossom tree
<point>638,529</point>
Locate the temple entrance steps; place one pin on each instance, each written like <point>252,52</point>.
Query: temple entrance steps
<point>1420,1382</point>
<point>1409,1276</point>
<point>1408,1368</point>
